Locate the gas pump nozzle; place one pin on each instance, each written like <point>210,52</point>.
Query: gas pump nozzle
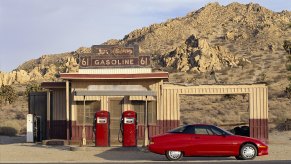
<point>120,131</point>
<point>94,129</point>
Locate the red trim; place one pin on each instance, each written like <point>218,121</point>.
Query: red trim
<point>259,129</point>
<point>157,75</point>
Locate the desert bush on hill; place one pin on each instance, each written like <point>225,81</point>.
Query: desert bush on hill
<point>288,91</point>
<point>228,97</point>
<point>288,66</point>
<point>7,94</point>
<point>287,46</point>
<point>32,87</point>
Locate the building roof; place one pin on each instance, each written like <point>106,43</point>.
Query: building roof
<point>53,85</point>
<point>153,75</point>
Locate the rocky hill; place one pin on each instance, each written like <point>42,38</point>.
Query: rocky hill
<point>46,68</point>
<point>213,38</point>
<point>216,44</point>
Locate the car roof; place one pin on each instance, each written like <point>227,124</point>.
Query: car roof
<point>202,124</point>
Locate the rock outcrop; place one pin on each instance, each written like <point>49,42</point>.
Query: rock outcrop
<point>41,72</point>
<point>197,55</point>
<point>234,22</point>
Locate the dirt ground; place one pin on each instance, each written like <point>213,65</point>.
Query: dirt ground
<point>14,149</point>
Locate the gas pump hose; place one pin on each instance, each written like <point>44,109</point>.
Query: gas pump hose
<point>120,132</point>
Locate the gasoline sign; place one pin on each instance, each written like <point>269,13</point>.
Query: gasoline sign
<point>106,56</point>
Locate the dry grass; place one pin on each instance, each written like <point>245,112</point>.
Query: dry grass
<point>13,116</point>
<point>278,112</point>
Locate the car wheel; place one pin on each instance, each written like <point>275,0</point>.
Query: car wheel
<point>247,152</point>
<point>174,155</point>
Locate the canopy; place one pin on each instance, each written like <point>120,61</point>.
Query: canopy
<point>115,90</point>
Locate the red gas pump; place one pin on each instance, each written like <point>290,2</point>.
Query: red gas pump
<point>101,128</point>
<point>129,128</point>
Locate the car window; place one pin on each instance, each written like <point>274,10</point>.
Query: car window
<point>199,129</point>
<point>189,130</point>
<point>203,130</point>
<point>209,131</point>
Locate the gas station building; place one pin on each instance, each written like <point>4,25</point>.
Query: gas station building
<point>118,79</point>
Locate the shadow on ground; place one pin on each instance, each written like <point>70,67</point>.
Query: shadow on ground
<point>134,154</point>
<point>21,141</point>
<point>12,139</point>
<point>40,145</point>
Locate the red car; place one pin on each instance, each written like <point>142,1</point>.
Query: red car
<point>205,140</point>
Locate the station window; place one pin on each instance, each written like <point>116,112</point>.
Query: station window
<point>91,108</point>
<point>139,107</point>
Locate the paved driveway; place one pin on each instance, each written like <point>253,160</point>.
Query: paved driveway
<point>37,153</point>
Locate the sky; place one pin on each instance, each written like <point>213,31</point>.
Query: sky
<point>32,28</point>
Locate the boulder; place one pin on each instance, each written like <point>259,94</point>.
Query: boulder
<point>196,54</point>
<point>22,77</point>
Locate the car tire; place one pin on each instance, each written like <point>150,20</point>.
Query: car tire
<point>247,152</point>
<point>238,158</point>
<point>174,155</point>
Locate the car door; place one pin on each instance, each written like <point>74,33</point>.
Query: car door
<point>207,143</point>
<point>188,146</point>
<point>226,143</point>
<point>178,139</point>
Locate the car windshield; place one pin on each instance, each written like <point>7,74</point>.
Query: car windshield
<point>178,130</point>
<point>220,131</point>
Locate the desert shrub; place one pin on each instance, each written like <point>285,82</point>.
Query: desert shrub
<point>20,116</point>
<point>21,93</point>
<point>288,67</point>
<point>228,97</point>
<point>251,72</point>
<point>278,77</point>
<point>243,63</point>
<point>7,94</point>
<point>288,91</point>
<point>281,127</point>
<point>10,128</point>
<point>261,77</point>
<point>287,46</point>
<point>32,87</point>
